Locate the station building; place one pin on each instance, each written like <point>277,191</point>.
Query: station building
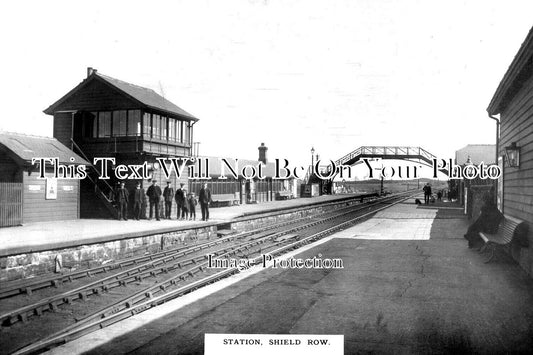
<point>107,117</point>
<point>24,196</point>
<point>513,102</point>
<point>476,153</point>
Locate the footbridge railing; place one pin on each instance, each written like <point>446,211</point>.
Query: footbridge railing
<point>385,152</point>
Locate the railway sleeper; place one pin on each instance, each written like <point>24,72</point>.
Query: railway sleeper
<point>23,317</point>
<point>53,306</point>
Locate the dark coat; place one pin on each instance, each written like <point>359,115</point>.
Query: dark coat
<point>180,197</point>
<point>154,193</point>
<point>121,195</point>
<point>138,195</point>
<point>488,222</point>
<point>168,194</point>
<point>191,200</point>
<point>205,196</point>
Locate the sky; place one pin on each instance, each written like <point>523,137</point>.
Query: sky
<point>333,75</point>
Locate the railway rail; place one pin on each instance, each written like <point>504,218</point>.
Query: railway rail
<point>30,286</point>
<point>182,271</point>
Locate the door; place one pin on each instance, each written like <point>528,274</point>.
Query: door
<point>10,204</point>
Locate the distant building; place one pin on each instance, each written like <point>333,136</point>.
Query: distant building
<point>107,117</point>
<point>477,153</point>
<point>513,101</point>
<point>471,192</point>
<point>241,190</point>
<point>24,197</point>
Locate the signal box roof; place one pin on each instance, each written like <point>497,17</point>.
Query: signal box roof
<point>142,96</point>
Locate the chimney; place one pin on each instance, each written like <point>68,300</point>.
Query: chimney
<point>263,153</point>
<point>90,71</point>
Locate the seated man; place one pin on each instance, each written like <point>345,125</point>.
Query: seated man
<point>488,222</point>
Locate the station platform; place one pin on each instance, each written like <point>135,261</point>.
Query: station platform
<point>409,284</point>
<point>34,237</point>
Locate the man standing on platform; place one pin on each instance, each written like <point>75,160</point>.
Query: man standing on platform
<point>168,195</point>
<point>121,197</point>
<point>138,199</point>
<point>205,200</point>
<point>180,201</point>
<point>154,194</point>
<point>427,193</point>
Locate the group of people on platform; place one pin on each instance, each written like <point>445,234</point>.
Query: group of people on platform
<point>186,202</point>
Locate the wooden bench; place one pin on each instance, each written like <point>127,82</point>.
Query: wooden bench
<point>221,200</point>
<point>283,195</point>
<point>510,228</point>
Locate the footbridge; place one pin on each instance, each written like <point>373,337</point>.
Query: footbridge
<point>415,154</point>
<point>412,154</point>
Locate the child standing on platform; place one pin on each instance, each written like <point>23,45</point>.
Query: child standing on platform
<point>185,206</point>
<point>192,202</point>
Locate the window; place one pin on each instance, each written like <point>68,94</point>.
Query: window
<point>179,131</point>
<point>156,126</point>
<point>186,132</point>
<point>134,123</point>
<point>147,125</point>
<point>164,127</point>
<point>104,124</point>
<point>171,129</point>
<point>119,123</point>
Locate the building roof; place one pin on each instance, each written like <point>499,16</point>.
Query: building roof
<point>23,148</point>
<point>477,153</point>
<point>520,70</point>
<point>144,96</point>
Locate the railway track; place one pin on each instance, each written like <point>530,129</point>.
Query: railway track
<point>30,286</point>
<point>177,273</point>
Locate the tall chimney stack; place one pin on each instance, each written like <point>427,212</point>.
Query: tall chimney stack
<point>263,153</point>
